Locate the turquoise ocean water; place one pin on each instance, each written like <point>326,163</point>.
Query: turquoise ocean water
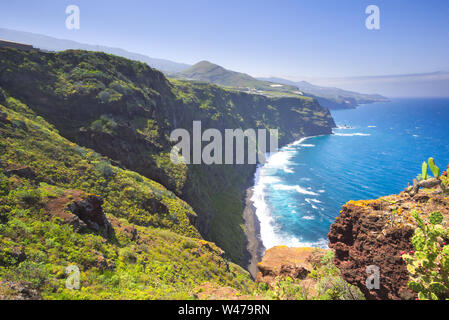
<point>377,149</point>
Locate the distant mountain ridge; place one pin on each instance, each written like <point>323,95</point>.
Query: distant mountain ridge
<point>332,98</point>
<point>210,72</point>
<point>428,84</point>
<point>55,44</point>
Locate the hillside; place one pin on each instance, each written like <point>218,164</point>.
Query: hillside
<point>209,72</point>
<point>331,98</point>
<point>82,129</point>
<point>135,241</point>
<point>54,44</point>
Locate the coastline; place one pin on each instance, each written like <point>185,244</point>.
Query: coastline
<point>255,245</point>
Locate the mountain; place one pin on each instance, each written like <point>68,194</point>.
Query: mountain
<point>86,181</point>
<point>330,97</point>
<point>209,72</point>
<point>54,44</point>
<point>86,177</point>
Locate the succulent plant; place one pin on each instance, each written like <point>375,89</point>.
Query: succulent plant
<point>428,265</point>
<point>435,170</point>
<point>424,171</point>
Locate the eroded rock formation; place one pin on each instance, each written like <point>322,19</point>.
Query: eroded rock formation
<point>376,232</point>
<point>81,211</point>
<point>281,262</point>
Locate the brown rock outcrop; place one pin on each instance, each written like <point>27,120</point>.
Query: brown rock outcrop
<point>81,211</point>
<point>20,290</point>
<point>376,232</point>
<point>24,172</point>
<point>90,211</point>
<point>281,262</point>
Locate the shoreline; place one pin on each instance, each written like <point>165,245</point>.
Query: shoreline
<point>254,246</point>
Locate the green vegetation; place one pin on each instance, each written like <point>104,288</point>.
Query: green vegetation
<point>332,98</point>
<point>424,172</point>
<point>212,73</point>
<point>429,263</point>
<point>125,111</point>
<point>445,180</point>
<point>79,123</point>
<point>166,261</point>
<point>435,170</point>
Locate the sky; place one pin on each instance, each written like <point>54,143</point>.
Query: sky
<point>290,38</point>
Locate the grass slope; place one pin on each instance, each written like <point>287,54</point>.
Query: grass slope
<point>166,260</point>
<point>126,110</point>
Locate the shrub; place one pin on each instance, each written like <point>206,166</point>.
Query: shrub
<point>4,185</point>
<point>105,168</point>
<point>29,272</point>
<point>27,197</point>
<point>429,263</point>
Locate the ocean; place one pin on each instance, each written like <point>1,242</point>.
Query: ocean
<point>376,150</point>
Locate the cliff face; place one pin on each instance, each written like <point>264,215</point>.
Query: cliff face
<point>125,110</point>
<point>377,232</point>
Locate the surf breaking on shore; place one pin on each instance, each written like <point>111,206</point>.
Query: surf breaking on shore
<point>270,234</point>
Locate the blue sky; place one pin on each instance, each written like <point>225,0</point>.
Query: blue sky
<point>315,38</point>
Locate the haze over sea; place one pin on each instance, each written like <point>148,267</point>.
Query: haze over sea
<point>376,150</point>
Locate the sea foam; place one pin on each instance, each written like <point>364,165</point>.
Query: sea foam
<point>270,236</point>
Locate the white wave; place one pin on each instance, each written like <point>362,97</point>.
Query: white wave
<point>308,217</point>
<point>372,126</point>
<point>288,170</point>
<point>297,142</point>
<point>295,242</point>
<point>279,159</point>
<point>307,145</point>
<point>269,233</point>
<point>416,136</point>
<point>352,134</point>
<point>345,127</point>
<point>296,188</point>
<point>308,200</point>
<point>321,191</point>
<point>266,179</point>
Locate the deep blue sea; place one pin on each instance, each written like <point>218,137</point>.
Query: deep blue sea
<point>377,149</point>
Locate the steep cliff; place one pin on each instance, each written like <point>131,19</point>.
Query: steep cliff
<point>86,179</point>
<point>125,110</point>
<point>378,232</point>
<point>65,205</point>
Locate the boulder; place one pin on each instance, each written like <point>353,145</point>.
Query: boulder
<point>90,211</point>
<point>83,212</point>
<point>19,290</point>
<point>24,172</point>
